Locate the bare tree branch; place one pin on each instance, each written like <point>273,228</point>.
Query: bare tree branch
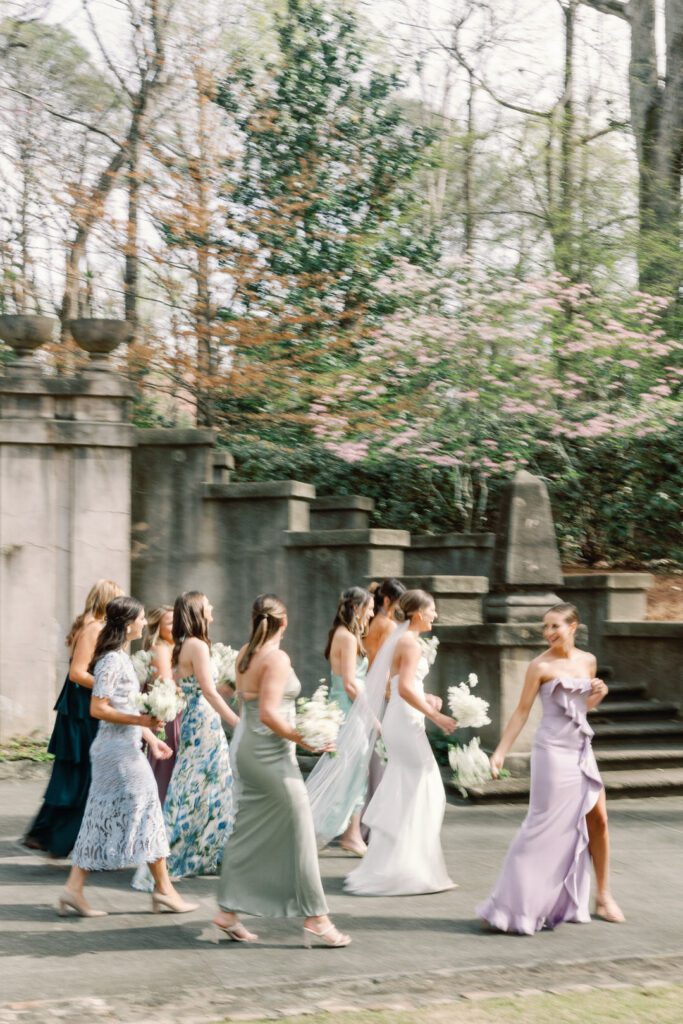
<point>64,117</point>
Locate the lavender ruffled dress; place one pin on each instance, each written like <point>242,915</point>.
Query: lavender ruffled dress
<point>546,875</point>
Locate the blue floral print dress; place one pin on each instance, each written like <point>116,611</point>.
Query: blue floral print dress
<point>199,810</point>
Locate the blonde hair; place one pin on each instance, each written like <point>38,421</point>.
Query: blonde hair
<point>267,615</point>
<point>153,626</point>
<point>99,596</point>
<point>569,611</point>
<point>413,601</point>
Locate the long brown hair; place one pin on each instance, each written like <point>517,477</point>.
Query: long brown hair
<point>119,613</point>
<point>189,620</point>
<point>99,596</point>
<point>154,623</point>
<point>350,601</point>
<point>267,615</point>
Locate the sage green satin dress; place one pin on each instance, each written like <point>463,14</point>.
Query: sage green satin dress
<point>270,863</point>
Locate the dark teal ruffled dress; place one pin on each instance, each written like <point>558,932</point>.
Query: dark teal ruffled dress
<point>59,819</point>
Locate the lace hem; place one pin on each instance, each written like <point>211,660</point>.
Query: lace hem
<point>117,835</point>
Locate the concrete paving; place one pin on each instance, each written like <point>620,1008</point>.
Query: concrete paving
<point>132,965</point>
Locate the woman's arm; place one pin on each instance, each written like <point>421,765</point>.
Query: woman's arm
<point>599,689</point>
<point>161,661</point>
<point>518,718</point>
<point>102,709</point>
<point>201,666</point>
<point>348,656</point>
<point>409,656</point>
<point>82,655</point>
<point>273,681</point>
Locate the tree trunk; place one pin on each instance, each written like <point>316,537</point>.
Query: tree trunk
<point>564,240</point>
<point>203,314</point>
<point>468,177</point>
<point>132,260</point>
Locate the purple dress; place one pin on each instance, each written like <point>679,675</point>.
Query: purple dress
<point>546,875</point>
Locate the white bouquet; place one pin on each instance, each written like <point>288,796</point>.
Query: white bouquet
<point>429,646</point>
<point>318,720</point>
<point>142,663</point>
<point>224,661</point>
<point>471,767</point>
<point>163,701</point>
<point>471,712</point>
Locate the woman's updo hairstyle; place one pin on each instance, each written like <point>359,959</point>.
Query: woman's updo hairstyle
<point>569,612</point>
<point>118,616</point>
<point>153,625</point>
<point>189,619</point>
<point>413,601</point>
<point>391,589</point>
<point>267,615</point>
<point>350,603</point>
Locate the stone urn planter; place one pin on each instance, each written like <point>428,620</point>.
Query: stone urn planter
<point>99,337</point>
<point>26,333</point>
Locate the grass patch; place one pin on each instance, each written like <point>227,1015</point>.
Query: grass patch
<point>26,748</point>
<point>599,1006</point>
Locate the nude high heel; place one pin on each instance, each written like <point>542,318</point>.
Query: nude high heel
<point>174,903</point>
<point>608,909</point>
<point>69,901</point>
<point>324,937</point>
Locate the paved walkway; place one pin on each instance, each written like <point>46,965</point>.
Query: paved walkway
<point>132,966</point>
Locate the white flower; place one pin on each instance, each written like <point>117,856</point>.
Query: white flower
<point>142,663</point>
<point>472,680</point>
<point>470,765</point>
<point>471,712</point>
<point>162,700</point>
<point>318,720</point>
<point>429,646</point>
<point>224,662</point>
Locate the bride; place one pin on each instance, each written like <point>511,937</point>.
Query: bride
<point>406,813</point>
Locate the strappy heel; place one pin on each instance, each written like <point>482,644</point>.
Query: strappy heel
<point>607,909</point>
<point>69,901</point>
<point>310,935</point>
<point>233,932</point>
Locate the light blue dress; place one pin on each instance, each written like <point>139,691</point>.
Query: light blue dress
<point>354,798</point>
<point>122,824</point>
<point>199,810</point>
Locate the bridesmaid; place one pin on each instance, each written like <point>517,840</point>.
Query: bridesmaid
<point>386,596</point>
<point>122,825</point>
<point>270,865</point>
<point>545,878</point>
<point>59,819</point>
<point>199,807</point>
<point>159,640</point>
<point>348,668</point>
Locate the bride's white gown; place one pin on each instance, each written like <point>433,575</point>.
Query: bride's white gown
<point>406,813</point>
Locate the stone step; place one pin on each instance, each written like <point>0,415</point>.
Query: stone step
<point>641,782</point>
<point>611,732</point>
<point>649,709</point>
<point>625,691</point>
<point>628,758</point>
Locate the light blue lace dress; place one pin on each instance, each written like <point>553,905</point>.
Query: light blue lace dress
<point>199,810</point>
<point>123,825</point>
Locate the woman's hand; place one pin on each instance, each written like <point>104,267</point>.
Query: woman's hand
<point>444,722</point>
<point>599,690</point>
<point>497,760</point>
<point>434,701</point>
<point>149,722</point>
<point>161,750</point>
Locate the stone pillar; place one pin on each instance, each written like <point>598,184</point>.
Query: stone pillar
<point>607,597</point>
<point>322,563</point>
<point>450,554</point>
<point>342,512</point>
<point>526,560</point>
<point>458,599</point>
<point>65,458</point>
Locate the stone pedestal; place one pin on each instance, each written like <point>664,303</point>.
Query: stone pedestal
<point>65,463</point>
<point>458,598</point>
<point>322,563</point>
<point>450,554</point>
<point>342,512</point>
<point>607,597</point>
<point>526,560</point>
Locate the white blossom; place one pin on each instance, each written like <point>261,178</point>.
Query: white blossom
<point>470,765</point>
<point>318,720</point>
